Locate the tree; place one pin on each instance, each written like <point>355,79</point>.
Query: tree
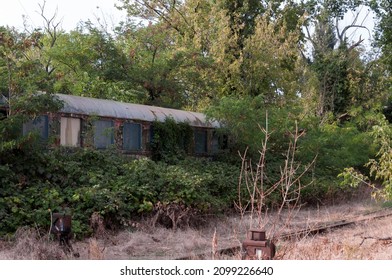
<point>25,70</point>
<point>169,55</point>
<point>383,10</point>
<point>333,54</point>
<point>89,62</point>
<point>239,45</point>
<point>383,41</point>
<point>270,61</point>
<point>21,75</point>
<point>215,36</point>
<point>21,70</point>
<point>153,63</point>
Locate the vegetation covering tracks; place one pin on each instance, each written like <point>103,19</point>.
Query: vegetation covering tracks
<point>256,59</point>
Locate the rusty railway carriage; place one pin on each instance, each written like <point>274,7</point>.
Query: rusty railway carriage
<point>99,123</point>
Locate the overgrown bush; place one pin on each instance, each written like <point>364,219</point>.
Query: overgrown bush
<point>336,147</point>
<point>118,188</point>
<point>336,144</point>
<point>379,176</point>
<point>171,141</point>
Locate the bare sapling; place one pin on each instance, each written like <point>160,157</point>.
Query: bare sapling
<point>274,215</point>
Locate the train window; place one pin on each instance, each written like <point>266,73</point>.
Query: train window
<point>70,132</point>
<point>38,125</point>
<point>219,142</point>
<point>3,113</point>
<point>215,143</point>
<point>200,141</point>
<point>103,134</point>
<point>132,136</point>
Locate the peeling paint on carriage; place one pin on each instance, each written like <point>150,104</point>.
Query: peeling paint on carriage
<point>119,110</point>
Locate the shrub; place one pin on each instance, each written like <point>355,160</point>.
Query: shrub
<point>170,140</point>
<point>106,183</point>
<point>336,147</point>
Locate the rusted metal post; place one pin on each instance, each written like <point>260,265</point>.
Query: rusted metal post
<point>61,227</point>
<point>257,247</point>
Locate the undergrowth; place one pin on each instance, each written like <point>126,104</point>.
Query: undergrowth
<point>117,188</point>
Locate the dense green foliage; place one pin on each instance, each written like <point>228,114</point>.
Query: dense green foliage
<point>379,166</point>
<point>335,148</point>
<point>170,140</point>
<point>118,188</point>
<point>24,108</point>
<point>277,65</point>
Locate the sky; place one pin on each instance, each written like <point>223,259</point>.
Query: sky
<point>69,12</point>
<point>366,19</point>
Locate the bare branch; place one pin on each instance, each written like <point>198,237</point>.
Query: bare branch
<point>383,239</point>
<point>365,18</point>
<point>309,36</point>
<point>337,29</point>
<point>341,35</point>
<point>159,14</point>
<point>356,17</point>
<point>354,26</point>
<point>356,44</point>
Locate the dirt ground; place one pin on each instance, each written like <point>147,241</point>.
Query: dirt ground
<point>369,239</point>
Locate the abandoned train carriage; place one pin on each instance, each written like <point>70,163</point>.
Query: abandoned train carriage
<point>125,126</point>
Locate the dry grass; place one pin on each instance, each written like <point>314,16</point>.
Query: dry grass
<point>366,240</point>
<point>30,245</point>
<point>95,252</point>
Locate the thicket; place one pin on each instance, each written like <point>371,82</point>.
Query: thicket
<point>171,188</point>
<point>335,147</point>
<point>119,189</point>
<point>248,71</point>
<point>170,140</point>
<point>330,147</point>
<point>379,177</point>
